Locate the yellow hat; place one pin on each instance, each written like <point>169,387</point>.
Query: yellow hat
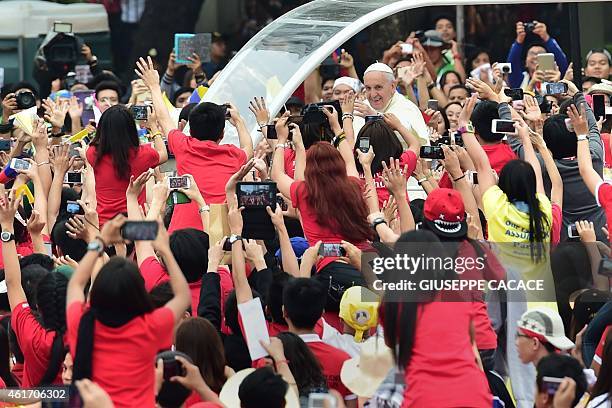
<point>359,309</point>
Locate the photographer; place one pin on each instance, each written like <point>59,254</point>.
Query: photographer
<point>524,52</point>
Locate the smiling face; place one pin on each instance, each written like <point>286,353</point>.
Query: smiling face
<point>380,88</point>
<point>598,66</point>
<point>450,80</point>
<point>482,58</point>
<point>452,113</point>
<point>341,91</point>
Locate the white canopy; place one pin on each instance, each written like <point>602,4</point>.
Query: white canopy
<point>31,18</point>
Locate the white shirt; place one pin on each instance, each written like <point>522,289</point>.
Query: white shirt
<point>407,112</point>
<point>602,401</point>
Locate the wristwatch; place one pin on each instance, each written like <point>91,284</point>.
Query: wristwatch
<point>233,238</point>
<point>580,138</point>
<point>378,221</point>
<point>96,246</point>
<point>204,208</point>
<point>6,236</point>
<point>469,128</point>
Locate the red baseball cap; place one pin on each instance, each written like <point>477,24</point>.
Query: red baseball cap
<point>444,213</point>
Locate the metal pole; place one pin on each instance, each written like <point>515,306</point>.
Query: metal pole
<point>460,27</point>
<point>576,52</point>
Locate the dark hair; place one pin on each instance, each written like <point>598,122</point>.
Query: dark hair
<point>304,300</point>
<point>207,121</point>
<point>416,206</point>
<point>591,79</point>
<point>51,301</point>
<point>400,318</point>
<point>108,84</point>
<point>446,74</point>
<point>603,51</point>
<point>604,378</point>
<point>529,45</point>
<point>315,132</point>
<point>116,135</point>
<point>459,86</point>
<point>443,16</point>
<point>184,115</point>
<point>308,372</point>
<point>474,54</point>
<point>37,259</point>
<point>517,180</point>
<point>199,339</point>
<point>560,141</point>
<point>335,199</point>
<point>190,249</point>
<point>117,296</point>
<point>5,367</point>
<point>161,294</point>
<point>384,142</point>
<point>31,276</point>
<point>262,388</point>
<point>24,85</point>
<point>181,90</point>
<point>230,312</point>
<point>483,115</point>
<point>325,79</point>
<point>559,365</point>
<point>275,296</point>
<point>75,248</point>
<point>172,394</point>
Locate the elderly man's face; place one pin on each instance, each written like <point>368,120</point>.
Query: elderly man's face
<point>380,88</point>
<point>342,91</point>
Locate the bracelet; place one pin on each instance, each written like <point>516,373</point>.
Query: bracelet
<point>283,145</point>
<point>338,139</point>
<point>60,134</point>
<point>580,138</point>
<point>154,135</point>
<point>459,178</point>
<point>348,116</point>
<point>420,181</point>
<point>42,164</point>
<point>204,208</point>
<point>262,125</point>
<point>281,362</point>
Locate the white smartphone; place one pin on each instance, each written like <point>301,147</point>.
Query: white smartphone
<point>572,231</point>
<point>503,126</point>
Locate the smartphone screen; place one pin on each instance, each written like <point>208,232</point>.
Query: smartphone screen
<point>599,105</point>
<point>556,88</point>
<point>5,145</point>
<point>551,384</point>
<point>72,207</point>
<point>432,104</point>
<point>432,152</point>
<point>256,194</point>
<point>458,138</point>
<point>515,93</point>
<point>282,203</point>
<point>503,126</point>
<point>605,267</point>
<point>174,183</point>
<point>62,27</point>
<point>19,164</point>
<point>326,250</point>
<point>73,177</point>
<point>364,144</point>
<point>572,231</point>
<point>140,112</point>
<point>139,230</point>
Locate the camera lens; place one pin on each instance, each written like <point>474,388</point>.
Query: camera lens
<point>505,69</point>
<point>25,100</point>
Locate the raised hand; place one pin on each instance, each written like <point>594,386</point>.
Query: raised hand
<point>147,73</point>
<point>258,107</point>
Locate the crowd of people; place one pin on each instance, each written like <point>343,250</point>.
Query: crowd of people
<point>133,293</point>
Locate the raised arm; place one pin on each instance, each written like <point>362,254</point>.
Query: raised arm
<point>413,142</point>
<point>556,192</point>
<point>345,149</point>
<point>61,164</point>
<point>530,156</point>
<point>244,137</point>
<point>40,140</point>
<point>241,284</point>
<point>395,179</point>
<point>12,270</point>
<point>143,249</point>
<point>40,197</point>
<point>300,153</point>
<point>194,194</point>
<point>289,260</point>
<point>283,181</point>
<point>156,136</point>
<point>150,76</point>
<point>591,178</point>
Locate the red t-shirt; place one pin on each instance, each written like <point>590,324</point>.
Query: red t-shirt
<point>331,360</point>
<point>499,154</point>
<point>603,195</point>
<point>123,357</point>
<point>557,221</point>
<point>600,346</point>
<point>605,139</point>
<point>442,371</point>
<point>314,230</point>
<point>289,157</point>
<point>23,249</point>
<point>408,158</point>
<point>211,165</point>
<point>154,273</point>
<point>110,190</point>
<point>35,343</point>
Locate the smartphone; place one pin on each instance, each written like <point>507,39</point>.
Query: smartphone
<point>432,104</point>
<point>546,62</point>
<point>472,177</point>
<point>73,177</point>
<point>140,112</point>
<point>62,27</point>
<point>568,125</point>
<point>73,150</point>
<point>176,197</point>
<point>458,138</point>
<point>282,203</point>
<point>72,207</point>
<point>432,152</point>
<point>19,164</point>
<point>174,183</point>
<point>256,194</point>
<point>407,49</point>
<point>551,384</point>
<point>139,230</point>
<point>321,400</point>
<point>554,88</point>
<point>331,250</point>
<point>572,231</point>
<point>605,267</point>
<point>503,126</point>
<point>515,93</point>
<point>228,115</point>
<point>505,67</point>
<point>5,145</point>
<point>364,144</point>
<point>372,118</point>
<point>599,105</point>
<point>443,140</point>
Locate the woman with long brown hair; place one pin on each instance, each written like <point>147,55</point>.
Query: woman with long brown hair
<point>330,202</point>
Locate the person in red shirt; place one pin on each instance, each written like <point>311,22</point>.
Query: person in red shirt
<point>385,145</point>
<point>435,350</point>
<point>210,163</point>
<point>114,339</point>
<point>116,155</point>
<point>303,303</point>
<point>41,340</point>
